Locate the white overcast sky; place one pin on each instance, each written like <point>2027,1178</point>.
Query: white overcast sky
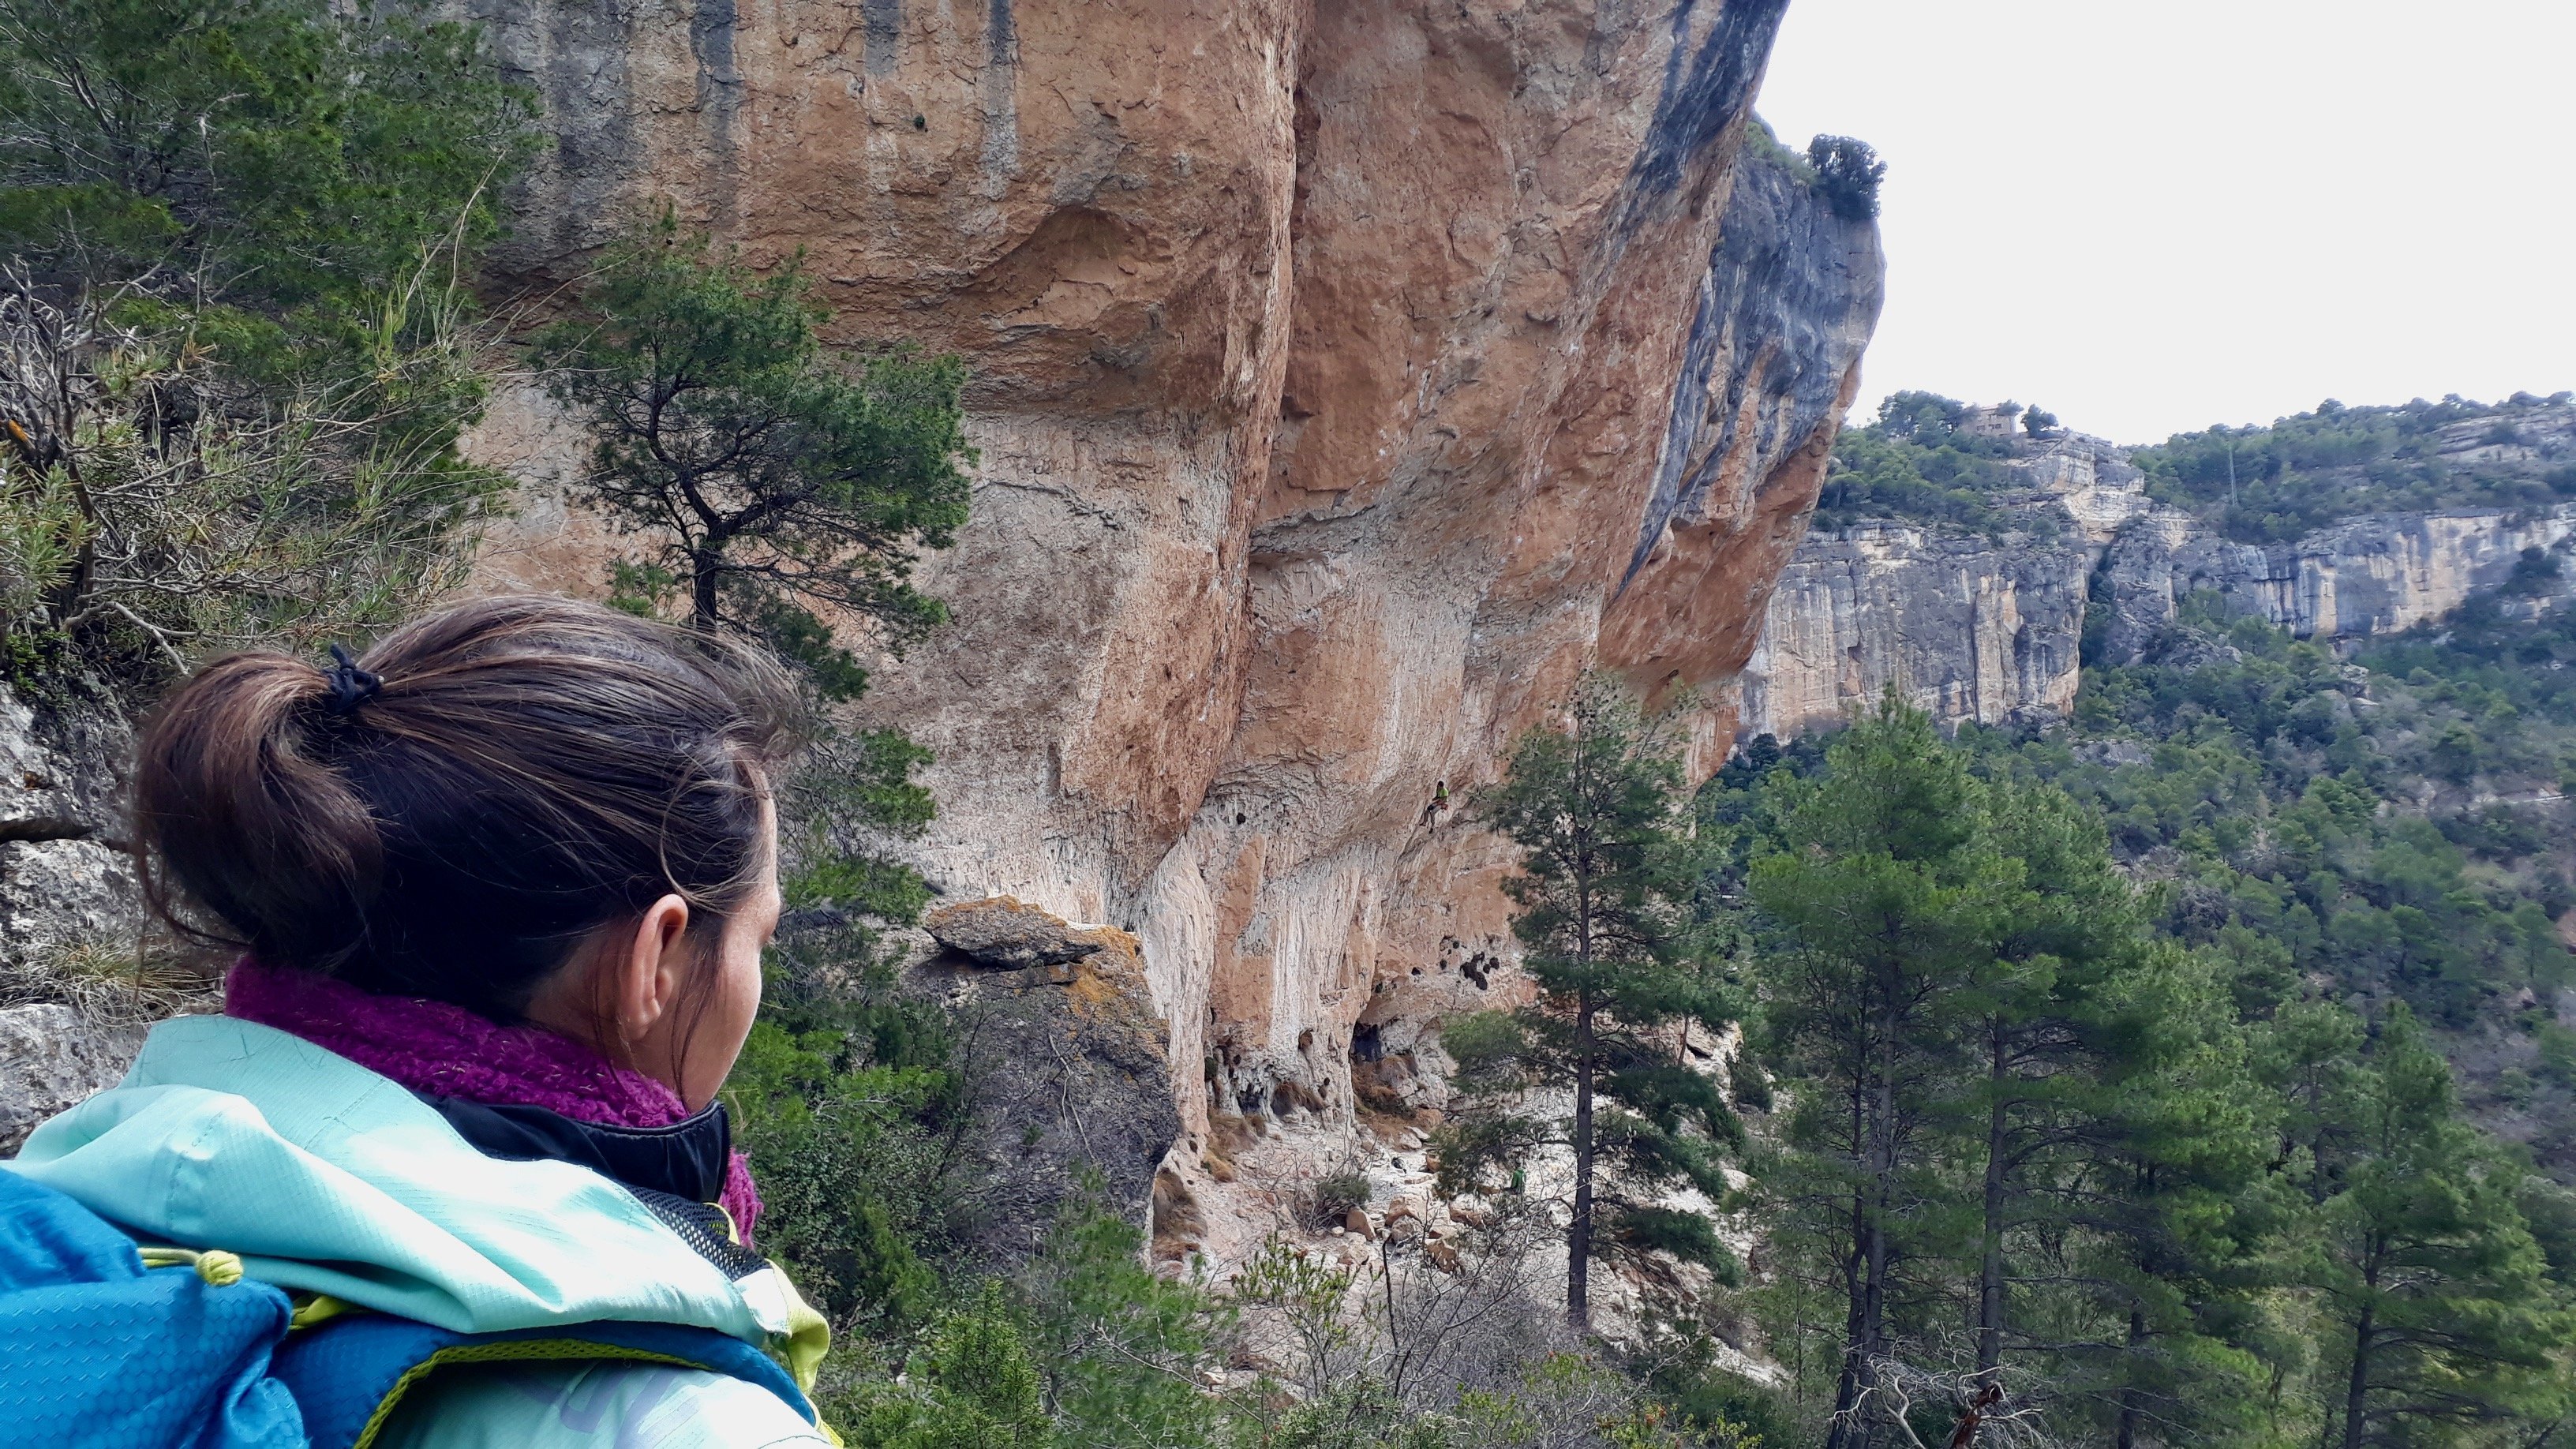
<point>2149,217</point>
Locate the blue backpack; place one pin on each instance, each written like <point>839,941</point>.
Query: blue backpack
<point>109,1344</point>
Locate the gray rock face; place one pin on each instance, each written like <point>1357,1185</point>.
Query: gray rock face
<point>65,878</point>
<point>61,774</point>
<point>66,884</point>
<point>1972,628</point>
<point>2366,576</point>
<point>2088,477</point>
<point>59,894</point>
<point>1792,294</point>
<point>52,1057</point>
<point>1964,627</point>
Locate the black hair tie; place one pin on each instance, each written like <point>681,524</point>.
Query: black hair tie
<point>350,685</point>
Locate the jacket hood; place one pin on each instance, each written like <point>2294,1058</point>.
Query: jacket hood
<point>329,1178</point>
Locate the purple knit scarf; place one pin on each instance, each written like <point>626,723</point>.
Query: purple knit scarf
<point>448,1051</point>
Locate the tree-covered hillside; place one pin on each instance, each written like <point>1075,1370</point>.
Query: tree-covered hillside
<point>2201,1067</point>
<point>2045,1155</point>
<point>1918,462</point>
<point>2388,829</point>
<point>1931,460</point>
<point>2269,484</point>
<point>2388,825</point>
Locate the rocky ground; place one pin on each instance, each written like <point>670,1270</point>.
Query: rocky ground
<point>77,975</point>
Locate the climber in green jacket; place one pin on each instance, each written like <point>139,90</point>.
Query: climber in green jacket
<point>501,888</point>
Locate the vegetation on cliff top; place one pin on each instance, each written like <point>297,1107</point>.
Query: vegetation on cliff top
<point>2273,484</point>
<point>1917,463</point>
<point>1845,172</point>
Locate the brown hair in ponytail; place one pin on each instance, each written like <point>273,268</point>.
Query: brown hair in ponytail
<point>519,772</point>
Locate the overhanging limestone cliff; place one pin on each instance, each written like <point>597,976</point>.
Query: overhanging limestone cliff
<point>1349,375</point>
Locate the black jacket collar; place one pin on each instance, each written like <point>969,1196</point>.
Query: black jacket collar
<point>686,1159</point>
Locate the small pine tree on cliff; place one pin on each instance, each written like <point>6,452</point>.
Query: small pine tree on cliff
<point>1596,806</point>
<point>782,491</point>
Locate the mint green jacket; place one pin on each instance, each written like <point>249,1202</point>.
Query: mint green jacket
<point>328,1179</point>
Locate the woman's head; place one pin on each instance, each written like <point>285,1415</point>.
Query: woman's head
<point>537,809</point>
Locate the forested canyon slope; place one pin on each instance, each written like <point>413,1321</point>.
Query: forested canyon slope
<point>2208,640</point>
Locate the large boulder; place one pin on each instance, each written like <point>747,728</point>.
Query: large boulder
<point>1001,931</point>
<point>67,883</point>
<point>1063,1058</point>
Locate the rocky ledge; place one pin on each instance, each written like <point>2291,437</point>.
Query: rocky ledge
<point>1062,1056</point>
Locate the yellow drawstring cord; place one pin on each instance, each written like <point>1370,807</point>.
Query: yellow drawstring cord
<point>216,1266</point>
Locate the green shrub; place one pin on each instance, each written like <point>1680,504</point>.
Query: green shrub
<point>1848,174</point>
<point>972,1385</point>
<point>1333,1197</point>
<point>2557,1054</point>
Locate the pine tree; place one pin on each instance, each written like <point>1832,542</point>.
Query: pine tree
<point>1595,807</point>
<point>2070,922</point>
<point>780,490</point>
<point>2009,1098</point>
<point>2439,1312</point>
<point>1884,901</point>
<point>2163,1207</point>
<point>2309,1057</point>
<point>2114,1137</point>
<point>781,493</point>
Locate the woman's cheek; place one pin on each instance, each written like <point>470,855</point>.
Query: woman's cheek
<point>720,1036</point>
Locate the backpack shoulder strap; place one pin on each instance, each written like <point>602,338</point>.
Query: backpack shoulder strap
<point>351,1372</point>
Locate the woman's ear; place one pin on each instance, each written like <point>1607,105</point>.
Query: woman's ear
<point>645,979</point>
